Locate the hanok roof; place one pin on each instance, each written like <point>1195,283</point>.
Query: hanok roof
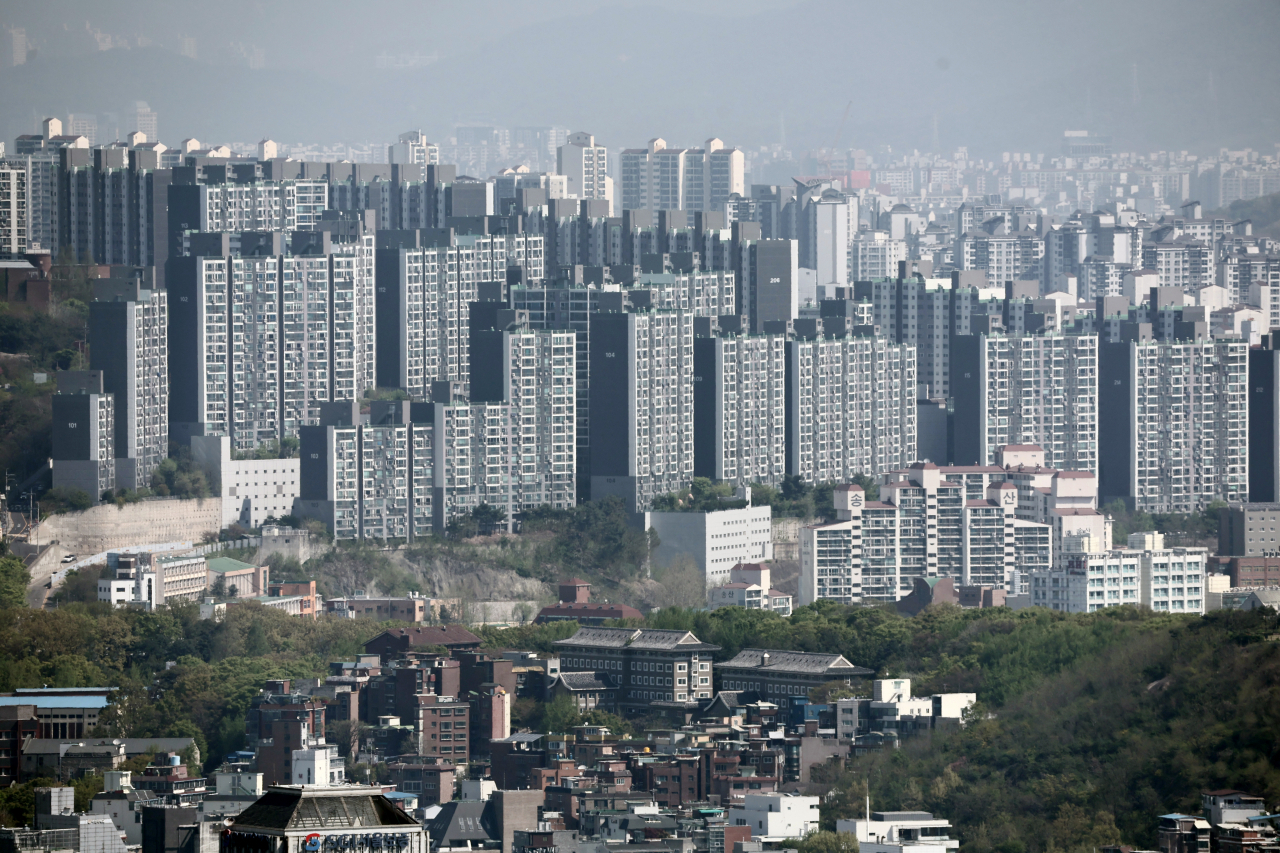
<point>285,807</point>
<point>584,681</point>
<point>799,662</point>
<point>657,639</point>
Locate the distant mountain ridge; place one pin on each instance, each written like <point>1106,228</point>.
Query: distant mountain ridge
<point>1172,75</point>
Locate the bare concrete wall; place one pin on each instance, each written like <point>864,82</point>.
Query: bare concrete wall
<point>786,538</point>
<point>102,528</point>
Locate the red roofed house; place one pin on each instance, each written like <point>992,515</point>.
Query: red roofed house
<point>397,641</point>
<point>575,606</point>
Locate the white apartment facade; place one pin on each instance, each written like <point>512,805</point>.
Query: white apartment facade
<point>740,409</point>
<point>662,178</point>
<point>1091,576</point>
<point>274,336</point>
<point>874,254</point>
<point>707,293</point>
<point>1027,389</point>
<point>428,292</point>
<point>1175,434</point>
<point>15,217</point>
<point>924,526</point>
<point>413,147</point>
<point>851,408</point>
<point>261,206</point>
<point>641,405</point>
<point>585,165</point>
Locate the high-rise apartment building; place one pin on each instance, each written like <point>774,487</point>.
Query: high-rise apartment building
<point>83,433</point>
<point>851,408</point>
<point>831,220</point>
<point>1174,423</point>
<point>1264,422</point>
<point>740,408</point>
<point>532,372</point>
<point>771,282</point>
<point>129,335</point>
<point>112,206</point>
<point>706,293</point>
<point>370,480</point>
<point>414,468</point>
<point>586,166</point>
<point>641,405</point>
<point>413,147</point>
<point>874,255</point>
<point>253,206</point>
<point>427,281</point>
<point>264,332</point>
<point>1004,255</point>
<point>1026,389</point>
<point>1180,261</point>
<point>572,308</point>
<point>15,212</point>
<point>40,151</point>
<point>143,119</point>
<point>925,314</point>
<point>662,178</point>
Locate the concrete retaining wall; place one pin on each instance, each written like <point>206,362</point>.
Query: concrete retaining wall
<point>103,528</point>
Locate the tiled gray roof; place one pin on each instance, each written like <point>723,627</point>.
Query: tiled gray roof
<point>658,639</point>
<point>586,680</point>
<point>814,663</point>
<point>461,820</point>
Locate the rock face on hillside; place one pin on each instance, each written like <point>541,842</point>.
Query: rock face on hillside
<point>450,576</point>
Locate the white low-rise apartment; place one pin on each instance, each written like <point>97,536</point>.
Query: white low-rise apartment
<point>901,832</point>
<point>775,817</point>
<point>1089,576</point>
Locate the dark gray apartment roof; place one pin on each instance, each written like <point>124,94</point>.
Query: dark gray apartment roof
<point>809,663</point>
<point>462,820</point>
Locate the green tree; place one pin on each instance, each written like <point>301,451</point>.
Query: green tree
<point>255,642</point>
<point>560,716</point>
<point>14,579</point>
<point>824,841</point>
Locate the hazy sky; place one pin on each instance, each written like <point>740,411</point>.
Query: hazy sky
<point>996,75</point>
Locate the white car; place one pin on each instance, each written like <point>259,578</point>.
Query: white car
<point>69,558</point>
